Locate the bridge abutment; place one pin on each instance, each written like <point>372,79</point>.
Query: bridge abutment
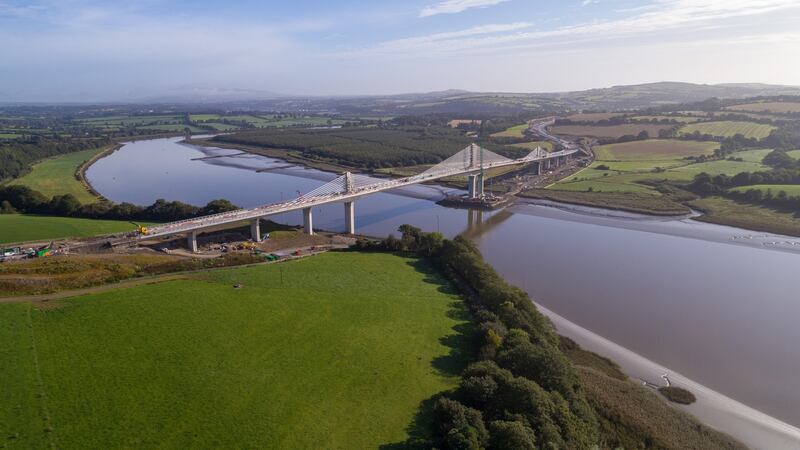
<point>308,221</point>
<point>350,217</point>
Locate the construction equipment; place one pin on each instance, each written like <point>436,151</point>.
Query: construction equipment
<point>142,230</point>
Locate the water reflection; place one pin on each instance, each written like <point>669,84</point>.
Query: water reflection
<point>717,304</point>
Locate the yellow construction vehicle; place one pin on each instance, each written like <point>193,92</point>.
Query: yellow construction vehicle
<point>142,229</point>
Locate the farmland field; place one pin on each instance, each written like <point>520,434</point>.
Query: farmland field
<point>56,176</point>
<point>729,129</point>
<point>612,131</point>
<point>772,107</point>
<point>792,190</point>
<point>178,127</point>
<point>592,117</point>
<point>632,163</point>
<point>516,131</point>
<point>26,227</point>
<point>654,149</point>
<point>335,351</point>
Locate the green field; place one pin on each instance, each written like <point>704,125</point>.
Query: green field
<point>26,227</point>
<point>654,149</point>
<point>56,176</point>
<point>792,190</point>
<point>631,164</point>
<point>178,127</point>
<point>729,129</point>
<point>336,351</point>
<point>517,131</point>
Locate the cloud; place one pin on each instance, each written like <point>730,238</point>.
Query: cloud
<point>456,6</point>
<point>662,18</point>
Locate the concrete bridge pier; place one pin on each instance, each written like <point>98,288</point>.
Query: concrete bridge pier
<point>308,221</point>
<point>350,217</point>
<point>193,241</point>
<point>475,186</point>
<point>255,229</point>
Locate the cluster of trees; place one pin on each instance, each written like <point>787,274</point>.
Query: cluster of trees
<point>705,184</point>
<point>615,120</point>
<point>361,147</point>
<point>26,200</point>
<point>16,156</point>
<point>522,393</point>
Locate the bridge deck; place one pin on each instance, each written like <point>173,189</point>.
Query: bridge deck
<point>340,191</point>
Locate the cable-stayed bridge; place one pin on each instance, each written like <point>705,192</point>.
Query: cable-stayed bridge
<point>473,161</point>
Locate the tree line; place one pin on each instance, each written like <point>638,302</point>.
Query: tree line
<point>26,200</point>
<point>521,392</point>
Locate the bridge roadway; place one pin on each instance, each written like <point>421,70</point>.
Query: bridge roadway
<point>344,190</point>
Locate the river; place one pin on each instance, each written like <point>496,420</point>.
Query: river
<point>716,305</point>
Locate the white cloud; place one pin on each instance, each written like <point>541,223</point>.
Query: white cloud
<point>456,6</point>
<point>661,18</point>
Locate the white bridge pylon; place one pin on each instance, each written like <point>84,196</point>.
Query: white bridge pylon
<point>472,160</point>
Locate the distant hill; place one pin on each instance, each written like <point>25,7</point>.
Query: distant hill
<point>466,102</point>
<point>653,94</point>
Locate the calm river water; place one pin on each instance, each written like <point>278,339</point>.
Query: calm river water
<point>719,305</point>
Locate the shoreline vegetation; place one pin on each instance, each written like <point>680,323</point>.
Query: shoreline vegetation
<point>527,387</point>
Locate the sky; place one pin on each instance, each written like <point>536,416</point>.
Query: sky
<point>90,50</point>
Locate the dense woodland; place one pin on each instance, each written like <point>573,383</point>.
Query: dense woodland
<point>370,148</point>
<point>17,156</point>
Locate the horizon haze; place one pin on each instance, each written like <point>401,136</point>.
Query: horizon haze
<point>94,51</point>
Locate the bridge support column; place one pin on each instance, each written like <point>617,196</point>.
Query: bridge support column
<point>255,229</point>
<point>475,186</point>
<point>193,242</point>
<point>308,223</point>
<point>349,218</point>
<point>539,168</point>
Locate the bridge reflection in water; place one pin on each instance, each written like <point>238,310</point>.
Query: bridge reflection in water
<point>473,161</point>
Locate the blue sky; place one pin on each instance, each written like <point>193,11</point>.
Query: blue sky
<point>67,50</point>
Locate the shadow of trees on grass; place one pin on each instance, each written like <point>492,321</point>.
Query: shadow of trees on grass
<point>460,344</point>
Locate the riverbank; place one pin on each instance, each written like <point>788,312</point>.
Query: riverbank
<point>753,428</point>
<point>629,265</point>
<point>639,204</point>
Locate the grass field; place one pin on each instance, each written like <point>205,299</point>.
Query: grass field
<point>56,176</point>
<point>724,211</point>
<point>334,351</point>
<point>729,129</point>
<point>592,117</point>
<point>792,190</point>
<point>794,154</point>
<point>612,131</point>
<point>25,227</point>
<point>178,127</point>
<point>654,149</point>
<point>517,131</point>
<point>631,165</point>
<point>772,107</point>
